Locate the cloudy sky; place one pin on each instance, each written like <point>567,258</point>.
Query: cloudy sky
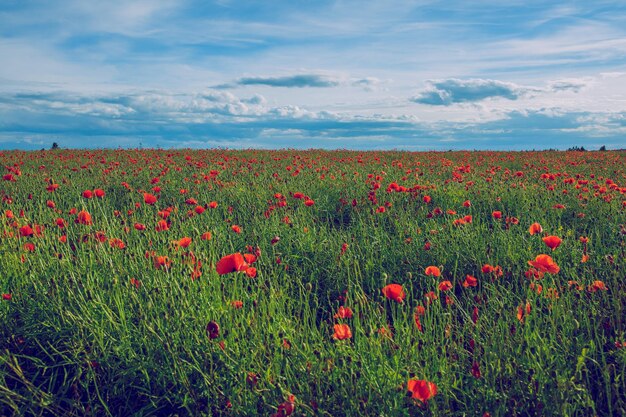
<point>414,75</point>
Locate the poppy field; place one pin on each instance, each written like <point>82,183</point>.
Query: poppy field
<point>312,283</point>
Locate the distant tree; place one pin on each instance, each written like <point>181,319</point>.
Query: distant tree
<point>602,148</point>
<point>577,149</point>
<point>54,146</point>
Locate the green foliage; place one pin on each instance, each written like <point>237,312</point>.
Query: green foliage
<point>92,327</point>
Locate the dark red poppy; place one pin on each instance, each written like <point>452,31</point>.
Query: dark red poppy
<point>213,330</point>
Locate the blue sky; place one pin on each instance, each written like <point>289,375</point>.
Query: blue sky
<point>416,75</point>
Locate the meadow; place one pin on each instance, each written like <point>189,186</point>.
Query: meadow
<point>312,283</point>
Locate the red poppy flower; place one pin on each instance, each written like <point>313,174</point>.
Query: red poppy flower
<point>470,281</point>
<point>237,304</point>
<point>29,246</point>
<point>309,202</point>
<point>286,408</point>
<point>26,231</point>
<point>231,263</point>
<point>99,192</point>
<point>444,285</point>
<point>421,390</point>
<point>206,236</point>
<point>213,330</point>
<point>597,286</point>
<point>467,203</point>
<point>394,292</point>
<point>496,214</point>
<point>476,370</point>
<point>552,242</point>
<point>149,198</point>
<point>432,270</point>
<point>7,297</point>
<point>419,312</point>
<point>342,331</point>
<point>235,228</point>
<point>161,262</point>
<point>117,243</point>
<point>87,194</point>
<point>213,204</point>
<point>535,228</point>
<point>139,226</point>
<point>184,242</point>
<point>251,272</point>
<point>545,263</point>
<point>343,313</point>
<point>162,226</point>
<point>84,217</point>
<point>199,209</point>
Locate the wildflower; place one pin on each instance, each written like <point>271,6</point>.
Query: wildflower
<point>470,281</point>
<point>213,330</point>
<point>231,263</point>
<point>149,198</point>
<point>26,231</point>
<point>597,286</point>
<point>343,313</point>
<point>162,225</point>
<point>535,228</point>
<point>394,292</point>
<point>342,331</point>
<point>433,270</point>
<point>184,242</point>
<point>552,242</point>
<point>444,285</point>
<point>476,370</point>
<point>161,262</point>
<point>84,217</point>
<point>286,408</point>
<point>421,390</point>
<point>545,263</point>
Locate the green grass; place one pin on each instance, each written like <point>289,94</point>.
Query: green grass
<point>79,338</point>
